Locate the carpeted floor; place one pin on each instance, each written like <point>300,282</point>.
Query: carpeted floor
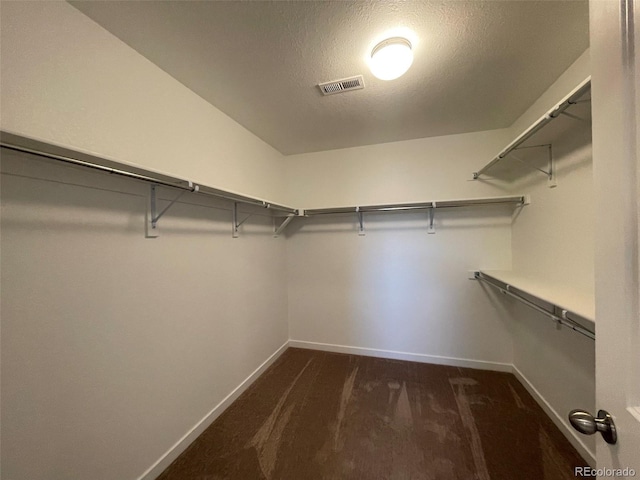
<point>318,415</point>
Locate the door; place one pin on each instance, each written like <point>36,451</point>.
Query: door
<point>616,138</point>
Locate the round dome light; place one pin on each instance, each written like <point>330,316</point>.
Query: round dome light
<point>391,58</point>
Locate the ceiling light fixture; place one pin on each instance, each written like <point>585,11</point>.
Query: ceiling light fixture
<point>391,58</point>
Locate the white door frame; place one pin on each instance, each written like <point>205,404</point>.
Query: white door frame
<point>615,107</point>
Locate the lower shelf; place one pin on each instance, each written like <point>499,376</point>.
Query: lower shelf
<point>572,310</point>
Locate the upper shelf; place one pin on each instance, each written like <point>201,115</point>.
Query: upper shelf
<point>397,207</point>
<point>431,206</point>
<point>537,137</point>
<point>35,147</point>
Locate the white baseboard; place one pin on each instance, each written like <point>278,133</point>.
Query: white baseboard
<point>181,445</point>
<point>412,357</point>
<point>557,419</point>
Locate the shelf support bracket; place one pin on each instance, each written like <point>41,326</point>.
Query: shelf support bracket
<point>550,172</point>
<point>432,214</point>
<point>234,223</point>
<point>552,181</point>
<point>573,117</point>
<point>360,222</point>
<point>152,209</point>
<point>278,229</point>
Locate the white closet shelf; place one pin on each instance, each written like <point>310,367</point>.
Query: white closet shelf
<point>38,148</point>
<point>431,206</point>
<point>515,200</point>
<point>542,133</point>
<point>565,302</point>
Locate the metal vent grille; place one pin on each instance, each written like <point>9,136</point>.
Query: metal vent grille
<point>344,85</point>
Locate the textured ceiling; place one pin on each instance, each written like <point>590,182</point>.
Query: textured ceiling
<point>478,65</point>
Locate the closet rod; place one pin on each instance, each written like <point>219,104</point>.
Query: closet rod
<point>183,185</point>
<point>562,321</point>
<point>533,129</point>
<point>518,200</point>
<point>369,208</point>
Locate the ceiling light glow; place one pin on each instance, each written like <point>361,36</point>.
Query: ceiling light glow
<point>391,58</point>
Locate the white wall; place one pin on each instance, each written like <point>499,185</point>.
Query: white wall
<point>578,71</point>
<point>553,241</point>
<point>67,81</point>
<point>555,237</point>
<point>398,288</point>
<point>114,345</point>
<point>435,168</point>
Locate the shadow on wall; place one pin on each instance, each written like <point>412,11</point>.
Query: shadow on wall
<point>400,288</point>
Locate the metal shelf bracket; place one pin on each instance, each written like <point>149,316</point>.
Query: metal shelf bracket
<point>432,214</point>
<point>278,229</point>
<point>234,223</point>
<point>153,216</point>
<point>550,172</point>
<point>360,222</point>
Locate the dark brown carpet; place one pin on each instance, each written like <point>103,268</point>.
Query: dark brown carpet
<point>318,415</point>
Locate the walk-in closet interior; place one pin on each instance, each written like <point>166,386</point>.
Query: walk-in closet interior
<point>215,267</point>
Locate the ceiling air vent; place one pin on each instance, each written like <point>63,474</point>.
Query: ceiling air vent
<point>344,85</point>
